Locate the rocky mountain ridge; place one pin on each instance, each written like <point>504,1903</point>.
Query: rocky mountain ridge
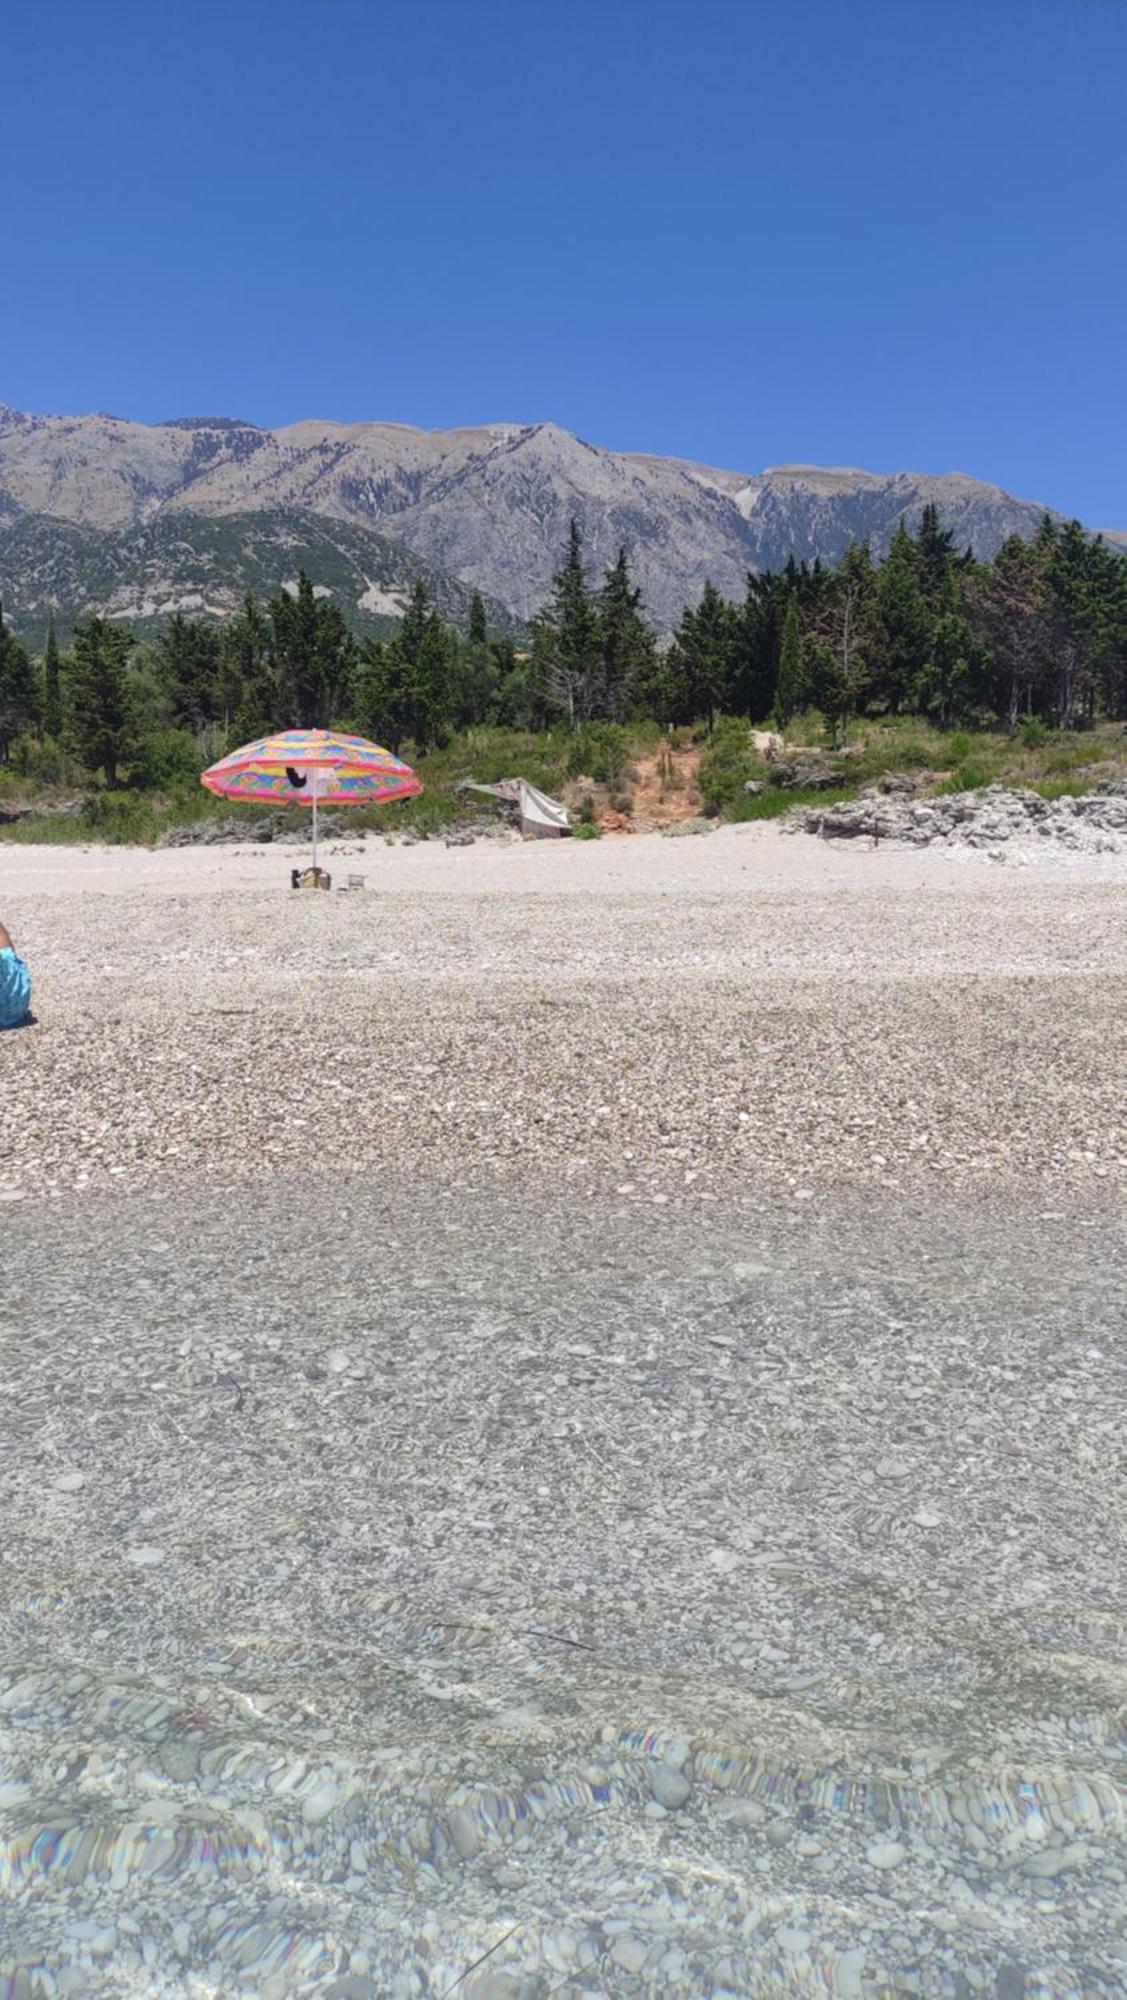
<point>484,507</point>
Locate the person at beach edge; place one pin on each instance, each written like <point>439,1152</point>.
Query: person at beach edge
<point>15,984</point>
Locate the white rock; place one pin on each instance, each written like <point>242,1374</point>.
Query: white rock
<point>69,1482</point>
<point>465,1833</point>
<point>630,1953</point>
<point>669,1786</point>
<point>320,1802</point>
<point>744,1812</point>
<point>143,1555</point>
<point>885,1854</point>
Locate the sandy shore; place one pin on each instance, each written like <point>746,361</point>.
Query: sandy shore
<point>667,1020</point>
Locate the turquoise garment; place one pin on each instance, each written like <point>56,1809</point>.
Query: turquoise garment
<point>15,989</point>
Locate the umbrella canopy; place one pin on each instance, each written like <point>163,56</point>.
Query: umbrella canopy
<point>312,767</point>
<point>306,767</point>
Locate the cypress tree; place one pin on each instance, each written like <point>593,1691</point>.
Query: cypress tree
<point>52,687</point>
<point>478,632</point>
<point>790,692</point>
<point>474,674</point>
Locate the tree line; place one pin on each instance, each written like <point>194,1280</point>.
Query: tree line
<point>1039,631</point>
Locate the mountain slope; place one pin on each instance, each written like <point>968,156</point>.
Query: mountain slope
<point>488,505</point>
<point>204,564</point>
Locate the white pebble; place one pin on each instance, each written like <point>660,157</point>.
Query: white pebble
<point>320,1802</point>
<point>885,1854</point>
<point>670,1787</point>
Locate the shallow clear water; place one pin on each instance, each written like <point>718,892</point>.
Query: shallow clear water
<point>407,1595</point>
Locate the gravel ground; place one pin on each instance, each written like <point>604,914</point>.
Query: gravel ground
<point>677,1019</point>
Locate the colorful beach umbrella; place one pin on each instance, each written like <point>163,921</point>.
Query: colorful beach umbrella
<point>312,767</point>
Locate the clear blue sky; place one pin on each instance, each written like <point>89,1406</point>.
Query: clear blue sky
<point>854,233</point>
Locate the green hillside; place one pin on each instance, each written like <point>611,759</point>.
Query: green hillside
<point>204,565</point>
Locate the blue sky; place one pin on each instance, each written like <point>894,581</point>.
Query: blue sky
<point>852,233</point>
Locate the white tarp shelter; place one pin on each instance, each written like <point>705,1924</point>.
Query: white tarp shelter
<point>538,816</point>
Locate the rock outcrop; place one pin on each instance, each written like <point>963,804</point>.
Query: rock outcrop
<point>1095,823</point>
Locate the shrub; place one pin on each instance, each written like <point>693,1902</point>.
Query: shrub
<point>167,757</point>
<point>726,765</point>
<point>587,830</point>
<point>959,747</point>
<point>970,776</point>
<point>1065,757</point>
<point>1034,733</point>
<point>807,727</point>
<point>600,750</point>
<point>127,817</point>
<point>912,755</point>
<point>45,762</point>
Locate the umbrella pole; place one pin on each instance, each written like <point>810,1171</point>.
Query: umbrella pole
<point>314,836</point>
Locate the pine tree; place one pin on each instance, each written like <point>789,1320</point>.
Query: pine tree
<point>418,667</point>
<point>935,555</point>
<point>517,702</point>
<point>99,712</point>
<point>1070,566</point>
<point>700,659</point>
<point>945,688</point>
<point>313,656</point>
<point>188,655</point>
<point>1109,653</point>
<point>756,636</point>
<point>474,676</point>
<point>378,715</point>
<point>19,704</point>
<point>246,701</point>
<point>825,684</point>
<point>845,622</point>
<point>902,625</point>
<point>628,643</point>
<point>790,691</point>
<point>52,687</point>
<point>1010,606</point>
<point>566,650</point>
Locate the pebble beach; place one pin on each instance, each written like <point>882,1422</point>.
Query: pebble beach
<point>707,1017</point>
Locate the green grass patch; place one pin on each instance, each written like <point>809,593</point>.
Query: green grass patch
<point>773,804</point>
